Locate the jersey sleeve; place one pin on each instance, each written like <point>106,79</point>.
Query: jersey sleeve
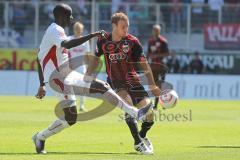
<point>138,54</point>
<point>164,47</point>
<point>99,51</point>
<point>58,36</point>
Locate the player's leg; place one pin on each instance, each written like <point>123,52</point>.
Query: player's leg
<point>140,98</point>
<point>131,122</point>
<point>146,126</point>
<point>81,104</point>
<point>69,119</point>
<point>139,145</point>
<point>54,128</point>
<point>70,116</point>
<point>82,69</point>
<point>84,85</point>
<point>98,86</point>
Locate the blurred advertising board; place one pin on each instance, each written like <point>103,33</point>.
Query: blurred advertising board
<point>22,59</point>
<point>217,87</point>
<point>222,36</point>
<point>18,59</point>
<point>222,63</point>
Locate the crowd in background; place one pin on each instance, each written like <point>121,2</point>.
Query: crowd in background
<point>21,16</point>
<point>195,65</point>
<point>156,1</point>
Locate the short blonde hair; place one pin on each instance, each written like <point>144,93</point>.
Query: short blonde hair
<point>157,26</point>
<point>78,24</point>
<point>116,17</point>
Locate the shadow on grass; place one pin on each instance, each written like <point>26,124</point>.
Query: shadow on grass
<point>218,147</point>
<point>72,153</point>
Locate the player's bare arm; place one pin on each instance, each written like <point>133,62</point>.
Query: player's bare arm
<point>41,90</point>
<point>78,41</point>
<point>145,68</point>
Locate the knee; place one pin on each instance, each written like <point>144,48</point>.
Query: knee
<point>70,115</point>
<point>99,86</point>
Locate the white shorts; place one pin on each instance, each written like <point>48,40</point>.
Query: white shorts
<point>73,79</point>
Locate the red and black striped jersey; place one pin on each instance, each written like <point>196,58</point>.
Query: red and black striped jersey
<point>121,57</point>
<point>157,47</point>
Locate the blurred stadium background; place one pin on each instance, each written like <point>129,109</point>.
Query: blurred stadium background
<point>208,28</point>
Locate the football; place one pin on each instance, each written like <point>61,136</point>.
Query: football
<point>168,99</point>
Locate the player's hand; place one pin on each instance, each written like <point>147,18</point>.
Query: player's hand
<point>102,34</point>
<point>155,90</point>
<point>41,92</point>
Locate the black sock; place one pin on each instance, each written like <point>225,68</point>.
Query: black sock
<point>145,127</point>
<point>156,103</point>
<point>132,124</point>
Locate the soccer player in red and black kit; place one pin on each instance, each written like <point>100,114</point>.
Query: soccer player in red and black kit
<point>124,56</point>
<point>157,50</point>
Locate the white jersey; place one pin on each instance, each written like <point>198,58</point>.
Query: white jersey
<point>51,55</point>
<point>80,50</point>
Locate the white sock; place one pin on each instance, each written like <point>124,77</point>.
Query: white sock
<point>56,127</point>
<point>116,100</point>
<point>81,102</point>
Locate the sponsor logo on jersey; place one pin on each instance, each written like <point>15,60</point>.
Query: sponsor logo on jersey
<point>117,56</point>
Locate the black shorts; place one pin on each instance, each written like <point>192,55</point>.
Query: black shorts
<point>136,91</point>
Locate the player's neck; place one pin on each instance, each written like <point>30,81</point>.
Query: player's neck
<point>116,37</point>
<point>58,23</point>
<point>157,36</point>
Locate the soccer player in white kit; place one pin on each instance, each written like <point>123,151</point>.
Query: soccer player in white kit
<point>52,58</point>
<point>81,50</point>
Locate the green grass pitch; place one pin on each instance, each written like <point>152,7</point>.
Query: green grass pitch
<point>211,132</point>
